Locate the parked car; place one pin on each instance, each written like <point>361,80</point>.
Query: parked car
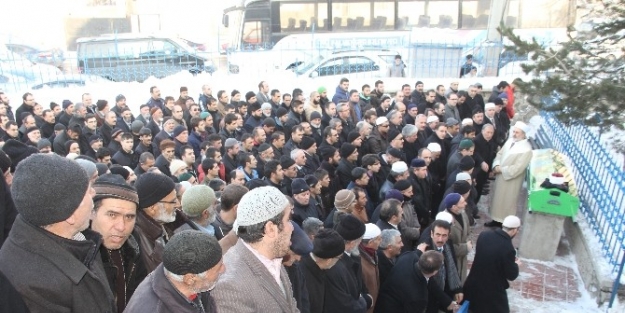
<point>36,54</point>
<point>70,80</point>
<point>135,57</point>
<point>347,64</point>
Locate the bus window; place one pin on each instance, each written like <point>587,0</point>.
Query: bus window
<point>256,35</point>
<point>384,9</point>
<point>414,13</point>
<point>296,17</point>
<point>475,14</point>
<point>558,16</point>
<point>443,14</point>
<point>359,16</point>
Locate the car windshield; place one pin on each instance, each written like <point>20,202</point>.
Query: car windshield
<point>304,67</point>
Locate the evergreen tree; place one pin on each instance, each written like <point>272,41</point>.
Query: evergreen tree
<point>581,80</point>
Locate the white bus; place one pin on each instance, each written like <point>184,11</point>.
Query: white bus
<point>296,30</point>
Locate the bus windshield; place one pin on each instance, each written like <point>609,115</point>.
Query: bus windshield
<point>262,23</point>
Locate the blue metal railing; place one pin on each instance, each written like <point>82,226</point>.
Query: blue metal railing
<point>601,186</point>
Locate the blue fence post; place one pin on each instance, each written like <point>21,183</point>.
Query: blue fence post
<point>617,283</point>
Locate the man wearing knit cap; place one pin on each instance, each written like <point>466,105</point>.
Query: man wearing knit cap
<point>369,260</point>
<point>289,169</point>
<point>50,256</point>
<point>192,265</point>
<point>344,203</point>
<point>328,247</point>
<point>255,280</point>
<point>198,204</point>
<point>309,146</point>
<point>255,118</point>
<point>114,214</point>
<point>460,231</point>
<point>158,204</point>
<point>494,265</point>
<point>349,156</point>
<point>345,290</point>
<point>509,168</point>
<point>465,165</point>
<point>303,207</point>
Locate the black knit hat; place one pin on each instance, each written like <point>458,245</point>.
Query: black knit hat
<point>311,180</point>
<point>66,184</point>
<point>255,183</point>
<point>178,130</point>
<point>119,170</point>
<point>328,244</point>
<point>299,185</point>
<point>191,252</point>
<point>315,115</point>
<point>306,143</point>
<point>269,122</point>
<point>113,186</point>
<point>102,168</point>
<point>466,163</point>
<point>394,152</point>
<point>264,147</point>
<point>17,151</point>
<point>326,152</point>
<point>253,107</point>
<point>249,95</point>
<point>353,135</point>
<point>300,243</point>
<point>402,185</point>
<point>152,188</point>
<point>392,134</point>
<point>281,112</point>
<point>350,228</point>
<point>347,149</point>
<point>461,186</point>
<point>286,162</point>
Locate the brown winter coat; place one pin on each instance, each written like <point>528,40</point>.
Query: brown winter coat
<point>370,275</point>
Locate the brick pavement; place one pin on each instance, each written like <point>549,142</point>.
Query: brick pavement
<point>543,283</point>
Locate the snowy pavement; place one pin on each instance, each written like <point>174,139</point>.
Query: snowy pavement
<point>544,287</point>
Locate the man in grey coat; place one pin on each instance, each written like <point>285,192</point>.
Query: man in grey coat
<point>192,264</point>
<point>51,257</point>
<point>255,280</point>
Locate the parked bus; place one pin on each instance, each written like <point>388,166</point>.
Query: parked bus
<point>266,25</point>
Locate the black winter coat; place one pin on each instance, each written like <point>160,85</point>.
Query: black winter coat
<point>300,289</point>
<point>7,211</point>
<point>315,279</point>
<point>492,268</point>
<point>49,277</point>
<point>344,286</point>
<point>406,289</point>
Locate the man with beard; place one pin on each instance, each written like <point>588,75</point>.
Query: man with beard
<point>155,100</point>
<point>192,265</point>
<point>494,265</point>
<point>44,255</point>
<point>277,143</point>
<point>264,155</point>
<point>349,156</point>
<point>158,204</point>
<point>313,105</point>
<point>255,119</point>
<point>114,213</point>
<point>4,99</point>
<point>417,96</point>
<point>72,133</point>
<point>264,230</point>
<point>330,159</point>
<point>377,94</point>
<point>274,175</point>
<point>78,116</point>
<point>509,168</point>
<point>341,91</point>
<point>120,104</point>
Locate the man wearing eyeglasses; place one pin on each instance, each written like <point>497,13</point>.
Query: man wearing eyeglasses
<point>158,204</point>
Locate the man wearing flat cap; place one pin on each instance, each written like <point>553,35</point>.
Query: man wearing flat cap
<point>114,214</point>
<point>192,265</point>
<point>51,257</point>
<point>494,265</point>
<point>256,281</point>
<point>509,167</point>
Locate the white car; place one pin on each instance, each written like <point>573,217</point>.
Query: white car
<point>351,64</point>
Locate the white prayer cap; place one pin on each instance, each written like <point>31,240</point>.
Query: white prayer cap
<point>371,231</point>
<point>434,147</point>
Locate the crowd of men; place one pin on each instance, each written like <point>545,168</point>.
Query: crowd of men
<point>359,202</point>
